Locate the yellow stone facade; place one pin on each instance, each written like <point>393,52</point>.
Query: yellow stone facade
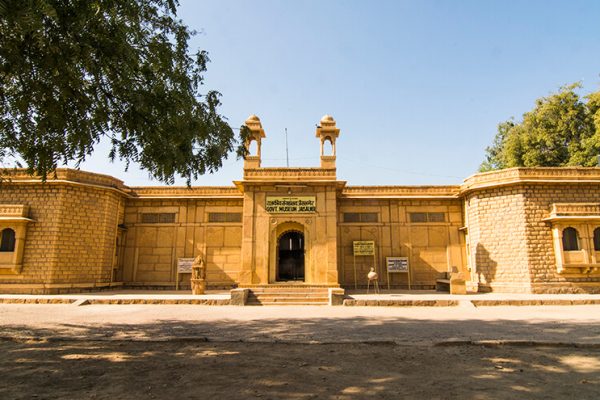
<point>499,231</point>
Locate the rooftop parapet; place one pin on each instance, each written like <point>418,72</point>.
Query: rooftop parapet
<point>291,174</point>
<point>21,175</point>
<point>169,192</point>
<point>513,176</point>
<point>401,192</point>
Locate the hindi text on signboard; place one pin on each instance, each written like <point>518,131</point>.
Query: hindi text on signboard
<point>296,205</point>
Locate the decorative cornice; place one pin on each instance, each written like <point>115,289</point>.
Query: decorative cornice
<point>149,192</point>
<point>289,174</point>
<point>14,210</point>
<point>574,211</point>
<point>512,176</point>
<point>401,192</point>
<point>559,209</point>
<point>315,175</point>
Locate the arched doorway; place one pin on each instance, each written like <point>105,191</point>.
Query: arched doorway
<point>290,256</point>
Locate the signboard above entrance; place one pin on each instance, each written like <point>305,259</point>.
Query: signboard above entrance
<point>296,205</point>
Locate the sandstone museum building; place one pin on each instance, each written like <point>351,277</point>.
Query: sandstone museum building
<point>517,230</point>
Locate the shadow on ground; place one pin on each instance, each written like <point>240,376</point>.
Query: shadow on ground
<point>90,362</point>
<point>187,370</point>
<point>330,330</point>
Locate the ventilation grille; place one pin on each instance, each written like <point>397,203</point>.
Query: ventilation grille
<point>427,217</point>
<point>158,218</point>
<point>361,217</point>
<point>224,217</point>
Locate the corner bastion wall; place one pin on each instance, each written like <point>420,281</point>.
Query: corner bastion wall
<point>543,271</point>
<point>510,238</point>
<point>496,239</point>
<point>70,240</point>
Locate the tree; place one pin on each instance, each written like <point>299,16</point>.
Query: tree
<point>561,130</point>
<point>75,71</point>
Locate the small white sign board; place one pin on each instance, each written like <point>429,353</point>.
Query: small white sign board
<point>397,264</point>
<point>184,265</point>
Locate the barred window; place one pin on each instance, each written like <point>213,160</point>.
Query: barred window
<point>361,217</point>
<point>436,217</point>
<point>427,217</point>
<point>570,240</point>
<point>158,218</point>
<point>7,241</point>
<point>418,217</point>
<point>224,217</point>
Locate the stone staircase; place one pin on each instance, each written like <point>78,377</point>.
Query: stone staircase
<point>288,294</point>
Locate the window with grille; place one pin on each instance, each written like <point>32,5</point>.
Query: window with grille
<point>158,218</point>
<point>224,217</point>
<point>416,217</point>
<point>7,240</point>
<point>361,217</point>
<point>570,240</point>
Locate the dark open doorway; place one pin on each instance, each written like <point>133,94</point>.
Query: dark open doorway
<point>290,260</point>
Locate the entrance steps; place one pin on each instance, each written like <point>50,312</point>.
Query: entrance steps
<point>293,294</point>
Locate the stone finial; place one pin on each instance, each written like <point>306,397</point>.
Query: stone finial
<point>327,127</point>
<point>327,120</point>
<point>253,123</point>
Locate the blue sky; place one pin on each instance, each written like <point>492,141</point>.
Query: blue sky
<point>416,87</point>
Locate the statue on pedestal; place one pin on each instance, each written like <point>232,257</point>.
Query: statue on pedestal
<point>198,280</point>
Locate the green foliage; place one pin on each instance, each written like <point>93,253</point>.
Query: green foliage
<point>73,72</point>
<point>561,130</point>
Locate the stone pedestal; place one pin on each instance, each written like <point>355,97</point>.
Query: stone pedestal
<point>457,282</point>
<point>239,297</point>
<point>198,286</point>
<point>336,296</point>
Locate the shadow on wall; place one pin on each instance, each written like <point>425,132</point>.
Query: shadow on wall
<point>485,267</point>
<point>94,367</point>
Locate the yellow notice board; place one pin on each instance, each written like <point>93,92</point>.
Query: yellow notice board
<point>364,247</point>
<point>296,204</point>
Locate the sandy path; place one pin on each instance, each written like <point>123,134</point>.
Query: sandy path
<point>579,324</point>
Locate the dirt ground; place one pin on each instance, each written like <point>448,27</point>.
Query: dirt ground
<point>201,352</point>
<point>191,369</point>
<point>405,325</point>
